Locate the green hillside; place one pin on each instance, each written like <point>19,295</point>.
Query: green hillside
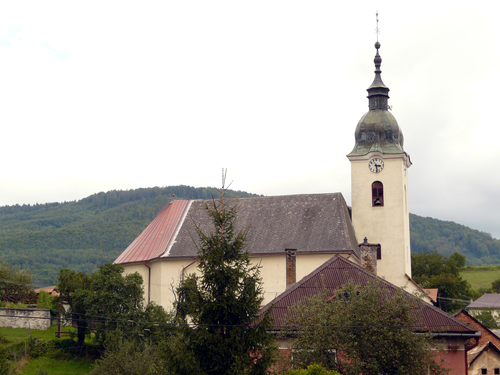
<point>84,234</point>
<point>447,237</point>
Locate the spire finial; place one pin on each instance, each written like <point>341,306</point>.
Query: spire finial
<point>377,30</point>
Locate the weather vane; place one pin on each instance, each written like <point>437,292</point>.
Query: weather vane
<point>377,30</point>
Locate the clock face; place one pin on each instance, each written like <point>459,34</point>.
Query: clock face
<point>376,165</point>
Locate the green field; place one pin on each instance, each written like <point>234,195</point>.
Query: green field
<point>481,277</point>
<point>57,367</point>
<point>13,337</point>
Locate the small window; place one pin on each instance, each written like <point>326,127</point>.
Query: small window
<point>484,371</point>
<point>379,252</point>
<point>497,371</point>
<point>377,194</point>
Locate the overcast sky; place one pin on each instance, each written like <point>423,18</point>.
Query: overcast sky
<point>104,95</point>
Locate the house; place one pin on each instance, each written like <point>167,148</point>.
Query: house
<point>50,289</point>
<point>483,356</point>
<point>338,271</point>
<point>488,302</point>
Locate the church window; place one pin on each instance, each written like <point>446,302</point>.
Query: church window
<point>377,194</point>
<point>497,371</point>
<point>379,252</point>
<point>484,371</point>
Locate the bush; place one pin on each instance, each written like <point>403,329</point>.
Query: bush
<point>313,369</point>
<point>125,357</point>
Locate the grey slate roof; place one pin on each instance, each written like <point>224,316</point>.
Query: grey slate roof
<point>306,222</point>
<point>486,301</point>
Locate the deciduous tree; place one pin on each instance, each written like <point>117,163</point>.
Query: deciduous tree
<point>361,330</point>
<point>433,270</point>
<point>15,283</point>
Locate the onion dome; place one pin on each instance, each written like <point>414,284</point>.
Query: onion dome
<point>378,130</point>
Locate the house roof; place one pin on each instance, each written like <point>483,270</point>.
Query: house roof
<point>305,222</point>
<point>486,301</point>
<point>50,289</point>
<point>486,333</point>
<point>474,353</point>
<point>432,293</point>
<point>336,272</point>
<point>153,241</point>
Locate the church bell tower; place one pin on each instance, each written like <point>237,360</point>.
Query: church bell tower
<point>379,184</point>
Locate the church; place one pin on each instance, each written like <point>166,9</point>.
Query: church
<point>299,241</point>
<point>291,236</point>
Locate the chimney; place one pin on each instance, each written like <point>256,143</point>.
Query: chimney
<point>291,267</point>
<point>369,255</point>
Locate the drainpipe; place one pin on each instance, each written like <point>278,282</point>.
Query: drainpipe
<point>467,363</point>
<point>149,281</point>
<point>184,269</point>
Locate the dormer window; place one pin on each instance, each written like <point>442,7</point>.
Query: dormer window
<point>377,194</point>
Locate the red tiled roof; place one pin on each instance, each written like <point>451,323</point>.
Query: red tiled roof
<point>335,273</point>
<point>155,239</point>
<point>50,289</point>
<point>432,293</point>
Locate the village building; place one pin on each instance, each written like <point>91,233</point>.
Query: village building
<point>489,302</point>
<point>453,335</point>
<point>483,352</point>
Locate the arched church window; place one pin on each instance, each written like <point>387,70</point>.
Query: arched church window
<point>377,194</point>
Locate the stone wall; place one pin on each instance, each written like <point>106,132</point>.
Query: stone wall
<point>24,318</point>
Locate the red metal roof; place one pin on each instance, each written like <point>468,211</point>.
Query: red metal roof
<point>155,239</point>
<point>335,273</point>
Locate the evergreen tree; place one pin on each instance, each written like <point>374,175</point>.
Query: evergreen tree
<point>222,304</point>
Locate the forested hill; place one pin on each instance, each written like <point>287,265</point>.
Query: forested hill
<point>84,234</point>
<point>447,237</point>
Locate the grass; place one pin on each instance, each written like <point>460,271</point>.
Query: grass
<point>27,366</point>
<point>57,367</point>
<point>20,334</point>
<point>481,277</point>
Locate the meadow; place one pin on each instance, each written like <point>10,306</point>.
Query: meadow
<point>480,277</point>
<point>54,362</point>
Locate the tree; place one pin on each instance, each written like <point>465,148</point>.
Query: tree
<point>222,304</point>
<point>72,288</point>
<point>106,298</point>
<point>362,330</point>
<point>487,319</point>
<point>15,283</point>
<point>433,270</point>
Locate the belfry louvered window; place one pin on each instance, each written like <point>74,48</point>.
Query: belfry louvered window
<point>377,194</point>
